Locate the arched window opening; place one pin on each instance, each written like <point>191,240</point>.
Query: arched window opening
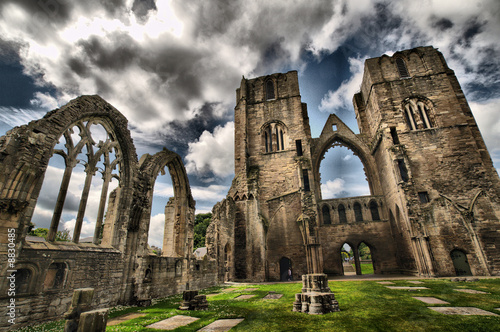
<point>178,268</point>
<point>87,161</point>
<point>274,137</point>
<point>401,65</point>
<point>55,277</point>
<point>342,174</point>
<point>374,210</point>
<point>460,263</point>
<point>277,139</point>
<point>358,214</point>
<point>148,276</point>
<point>326,215</point>
<point>23,280</point>
<point>266,144</point>
<point>347,256</point>
<point>365,259</point>
<point>270,90</point>
<point>162,216</point>
<point>342,214</point>
<point>285,269</point>
<point>418,114</point>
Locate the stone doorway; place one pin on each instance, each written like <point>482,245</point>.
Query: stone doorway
<point>460,262</point>
<point>285,264</point>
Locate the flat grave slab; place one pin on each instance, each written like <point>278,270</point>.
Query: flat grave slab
<point>470,291</point>
<point>497,309</point>
<point>221,325</point>
<point>385,282</point>
<point>250,289</point>
<point>244,297</point>
<point>407,287</point>
<point>430,300</point>
<point>462,311</point>
<point>272,296</point>
<point>416,282</point>
<point>173,322</point>
<point>230,289</point>
<point>124,318</point>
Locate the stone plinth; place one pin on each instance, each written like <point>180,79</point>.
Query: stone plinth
<point>316,297</point>
<point>192,301</point>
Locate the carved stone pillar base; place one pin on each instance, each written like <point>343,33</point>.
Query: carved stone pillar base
<point>316,297</point>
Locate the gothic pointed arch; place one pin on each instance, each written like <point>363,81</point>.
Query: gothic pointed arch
<point>336,132</point>
<point>180,222</point>
<point>21,184</point>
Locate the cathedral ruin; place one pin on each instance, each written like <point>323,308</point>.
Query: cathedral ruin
<point>434,206</point>
<point>433,210</point>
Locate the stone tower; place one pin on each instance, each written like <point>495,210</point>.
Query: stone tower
<point>437,177</point>
<point>272,137</point>
<point>434,204</point>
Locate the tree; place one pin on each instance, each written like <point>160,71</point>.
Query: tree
<point>364,251</point>
<point>43,232</point>
<point>201,222</point>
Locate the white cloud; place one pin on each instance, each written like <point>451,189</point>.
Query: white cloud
<point>213,152</point>
<point>156,230</point>
<point>488,121</point>
<point>212,193</point>
<point>16,117</point>
<point>88,228</point>
<point>342,97</point>
<point>332,188</point>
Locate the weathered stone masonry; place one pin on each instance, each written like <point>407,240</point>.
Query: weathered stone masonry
<point>435,196</point>
<point>119,268</point>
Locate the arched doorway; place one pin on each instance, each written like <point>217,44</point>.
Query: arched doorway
<point>460,263</point>
<point>285,264</point>
<point>347,255</point>
<point>365,258</point>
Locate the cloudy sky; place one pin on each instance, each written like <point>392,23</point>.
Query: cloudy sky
<point>172,67</point>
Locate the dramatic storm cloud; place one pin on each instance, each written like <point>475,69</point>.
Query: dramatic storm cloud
<point>172,67</point>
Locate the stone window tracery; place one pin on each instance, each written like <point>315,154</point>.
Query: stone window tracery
<point>88,144</point>
<point>274,137</point>
<point>418,114</point>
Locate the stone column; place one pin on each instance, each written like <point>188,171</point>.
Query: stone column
<point>61,197</point>
<point>90,170</point>
<point>356,260</point>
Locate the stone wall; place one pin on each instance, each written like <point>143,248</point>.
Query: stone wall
<point>118,267</point>
<point>428,169</point>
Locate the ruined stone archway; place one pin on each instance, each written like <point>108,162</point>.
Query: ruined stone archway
<point>335,132</point>
<point>27,150</point>
<point>179,212</point>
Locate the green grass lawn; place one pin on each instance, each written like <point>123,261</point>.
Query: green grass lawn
<point>364,305</point>
<point>366,268</point>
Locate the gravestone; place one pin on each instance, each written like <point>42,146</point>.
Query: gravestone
<point>192,301</point>
<point>79,318</point>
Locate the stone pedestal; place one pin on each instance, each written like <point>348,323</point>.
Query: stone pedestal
<point>192,301</point>
<point>316,297</point>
